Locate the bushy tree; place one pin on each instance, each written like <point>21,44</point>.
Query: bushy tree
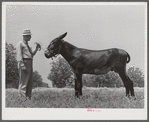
<point>38,81</point>
<point>107,80</point>
<point>112,79</point>
<point>60,73</point>
<point>70,82</point>
<point>137,76</point>
<point>12,76</point>
<point>90,80</point>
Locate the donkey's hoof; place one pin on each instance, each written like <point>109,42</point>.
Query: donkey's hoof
<point>78,97</point>
<point>133,98</point>
<point>128,96</point>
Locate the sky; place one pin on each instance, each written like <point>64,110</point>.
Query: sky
<point>95,27</point>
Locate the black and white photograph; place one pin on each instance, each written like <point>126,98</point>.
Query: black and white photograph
<point>74,61</point>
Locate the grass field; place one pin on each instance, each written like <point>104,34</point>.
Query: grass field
<point>65,98</point>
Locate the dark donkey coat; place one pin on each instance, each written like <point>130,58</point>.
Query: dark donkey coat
<point>97,62</point>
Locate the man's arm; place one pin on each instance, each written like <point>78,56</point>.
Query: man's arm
<point>19,55</point>
<point>35,51</point>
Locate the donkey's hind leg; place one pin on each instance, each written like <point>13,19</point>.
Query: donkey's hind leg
<point>131,88</point>
<point>127,82</point>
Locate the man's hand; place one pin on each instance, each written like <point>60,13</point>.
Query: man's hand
<point>38,46</point>
<point>23,68</point>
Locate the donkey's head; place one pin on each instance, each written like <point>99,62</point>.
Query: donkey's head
<point>55,46</point>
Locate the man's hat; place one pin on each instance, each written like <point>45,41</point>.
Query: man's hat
<point>26,32</point>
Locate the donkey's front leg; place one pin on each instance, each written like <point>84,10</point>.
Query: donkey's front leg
<point>76,88</point>
<point>78,85</point>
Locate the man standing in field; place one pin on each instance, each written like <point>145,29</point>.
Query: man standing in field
<point>25,64</point>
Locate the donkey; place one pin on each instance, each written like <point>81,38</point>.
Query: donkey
<point>83,61</point>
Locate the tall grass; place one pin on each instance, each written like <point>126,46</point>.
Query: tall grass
<point>65,98</point>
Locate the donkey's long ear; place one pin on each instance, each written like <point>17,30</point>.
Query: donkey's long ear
<point>62,36</point>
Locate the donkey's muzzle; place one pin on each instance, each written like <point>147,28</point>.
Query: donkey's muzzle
<point>47,54</point>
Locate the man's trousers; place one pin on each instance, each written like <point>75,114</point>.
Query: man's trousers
<point>25,81</point>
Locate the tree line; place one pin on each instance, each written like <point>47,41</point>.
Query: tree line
<point>12,75</point>
<point>61,76</point>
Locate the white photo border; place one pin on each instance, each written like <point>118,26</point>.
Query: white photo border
<point>69,114</point>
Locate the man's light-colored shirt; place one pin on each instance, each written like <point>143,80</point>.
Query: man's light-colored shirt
<point>23,52</point>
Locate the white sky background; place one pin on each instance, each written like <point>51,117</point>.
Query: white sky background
<point>89,26</point>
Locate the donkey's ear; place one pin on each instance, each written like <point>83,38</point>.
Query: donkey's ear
<point>62,36</point>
